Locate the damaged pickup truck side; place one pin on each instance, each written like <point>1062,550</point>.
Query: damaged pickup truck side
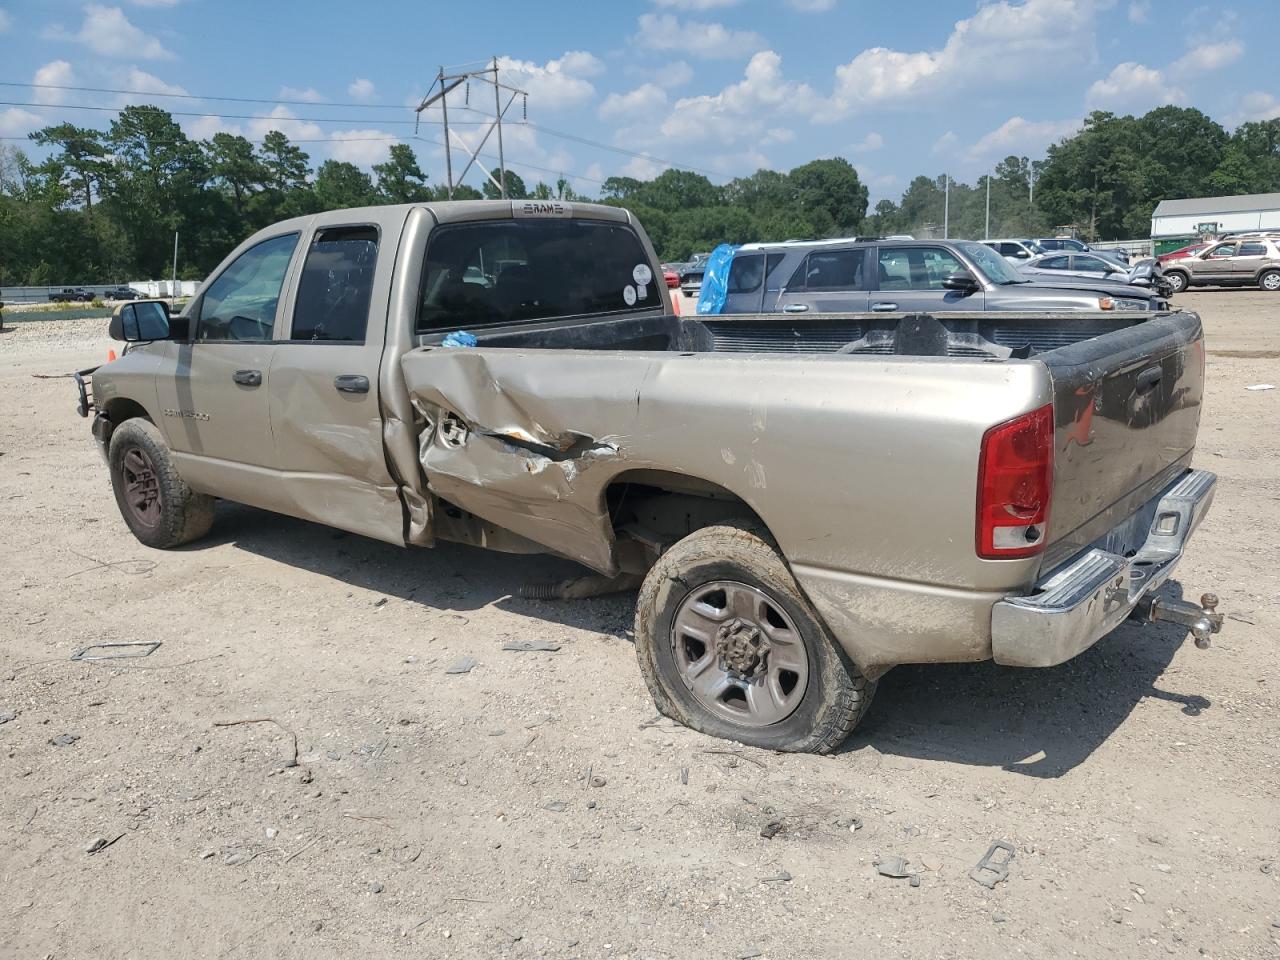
<point>804,501</point>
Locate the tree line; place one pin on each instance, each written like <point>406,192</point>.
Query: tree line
<point>103,206</point>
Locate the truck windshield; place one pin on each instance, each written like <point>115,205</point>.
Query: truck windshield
<point>995,267</point>
<point>506,271</point>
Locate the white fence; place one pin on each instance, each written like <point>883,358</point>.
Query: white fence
<point>1138,249</point>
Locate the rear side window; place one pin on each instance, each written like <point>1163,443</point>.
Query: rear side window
<point>506,271</point>
<point>831,270</point>
<point>336,286</point>
<point>1250,249</point>
<point>746,273</point>
<point>1053,263</point>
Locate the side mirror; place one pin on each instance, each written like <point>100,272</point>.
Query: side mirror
<point>960,280</point>
<point>140,320</point>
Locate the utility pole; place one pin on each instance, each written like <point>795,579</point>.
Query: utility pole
<point>946,206</point>
<point>173,289</point>
<point>447,83</point>
<point>986,233</point>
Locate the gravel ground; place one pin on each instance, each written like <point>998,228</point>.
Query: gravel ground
<point>438,815</point>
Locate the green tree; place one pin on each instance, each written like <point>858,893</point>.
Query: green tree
<point>400,179</point>
<point>831,195</point>
<point>516,190</point>
<point>340,184</point>
<point>81,160</point>
<point>233,163</point>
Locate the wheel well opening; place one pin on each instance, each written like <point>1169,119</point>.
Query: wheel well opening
<point>120,409</point>
<point>657,508</point>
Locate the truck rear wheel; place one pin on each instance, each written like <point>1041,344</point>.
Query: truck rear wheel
<point>160,509</point>
<point>729,646</point>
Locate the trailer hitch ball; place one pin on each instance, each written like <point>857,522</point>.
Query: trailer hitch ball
<point>1203,621</point>
<point>1204,628</point>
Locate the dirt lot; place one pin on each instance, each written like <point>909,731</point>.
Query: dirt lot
<point>435,815</point>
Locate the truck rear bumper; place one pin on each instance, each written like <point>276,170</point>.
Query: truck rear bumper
<point>1077,605</point>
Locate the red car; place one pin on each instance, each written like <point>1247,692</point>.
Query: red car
<point>1181,253</point>
<point>671,277</point>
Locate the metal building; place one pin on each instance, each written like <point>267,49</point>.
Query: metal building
<point>1174,223</point>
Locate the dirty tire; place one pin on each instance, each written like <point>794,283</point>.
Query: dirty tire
<point>1270,281</point>
<point>179,514</point>
<point>1177,280</point>
<point>836,695</point>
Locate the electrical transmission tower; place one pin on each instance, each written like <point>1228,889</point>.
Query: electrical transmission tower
<point>447,83</point>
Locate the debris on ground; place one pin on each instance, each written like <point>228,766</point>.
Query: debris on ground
<point>531,646</point>
<point>1261,386</point>
<point>7,715</point>
<point>556,806</point>
<point>293,759</point>
<point>464,665</point>
<point>64,739</point>
<point>780,877</point>
<point>133,650</point>
<point>894,867</point>
<point>992,869</point>
<point>100,843</point>
<point>771,829</point>
<point>598,781</point>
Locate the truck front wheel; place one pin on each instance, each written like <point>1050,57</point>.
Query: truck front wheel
<point>729,646</point>
<point>160,509</point>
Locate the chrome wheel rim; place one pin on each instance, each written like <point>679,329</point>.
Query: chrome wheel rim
<point>739,653</point>
<point>1176,281</point>
<point>1271,281</point>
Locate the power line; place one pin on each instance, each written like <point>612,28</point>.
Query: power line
<point>225,116</point>
<point>521,163</point>
<point>195,96</point>
<point>170,143</point>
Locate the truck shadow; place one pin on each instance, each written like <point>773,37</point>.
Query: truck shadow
<point>1039,723</point>
<point>451,578</point>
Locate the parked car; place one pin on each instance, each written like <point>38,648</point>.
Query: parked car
<point>1181,253</point>
<point>691,274</point>
<point>797,524</point>
<point>1072,245</point>
<point>1246,262</point>
<point>121,293</point>
<point>1091,266</point>
<point>1015,251</point>
<point>71,295</point>
<point>906,276</point>
<point>671,274</point>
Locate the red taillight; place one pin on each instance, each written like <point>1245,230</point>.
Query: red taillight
<point>1015,482</point>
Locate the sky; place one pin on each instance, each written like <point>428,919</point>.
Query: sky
<point>723,87</point>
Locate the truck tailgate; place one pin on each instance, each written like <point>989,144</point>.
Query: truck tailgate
<point>1127,408</point>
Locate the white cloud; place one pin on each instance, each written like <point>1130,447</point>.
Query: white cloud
<point>739,111</point>
<point>108,32</point>
<point>1019,136</point>
<point>714,40</point>
<point>696,4</point>
<point>1258,106</point>
<point>777,135</point>
<point>283,119</point>
<point>1019,38</point>
<point>154,3</point>
<point>310,94</point>
<point>811,6</point>
<point>364,148</point>
<point>16,122</point>
<point>203,128</point>
<point>642,168</point>
<point>635,105</point>
<point>557,83</point>
<point>1133,86</point>
<point>58,73</point>
<point>5,21</point>
<point>146,83</point>
<point>872,141</point>
<point>673,75</point>
<point>1139,10</point>
<point>362,89</point>
<point>1207,57</point>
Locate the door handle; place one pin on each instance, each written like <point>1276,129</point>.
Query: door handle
<point>248,378</point>
<point>884,307</point>
<point>351,383</point>
<point>795,308</point>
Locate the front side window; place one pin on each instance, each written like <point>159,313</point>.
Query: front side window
<point>916,268</point>
<point>336,286</point>
<point>507,271</point>
<point>241,304</point>
<point>1223,250</point>
<point>1054,263</point>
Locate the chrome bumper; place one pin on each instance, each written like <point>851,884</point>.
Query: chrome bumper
<point>1078,605</point>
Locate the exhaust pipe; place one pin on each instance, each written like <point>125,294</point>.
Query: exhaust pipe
<point>1203,621</point>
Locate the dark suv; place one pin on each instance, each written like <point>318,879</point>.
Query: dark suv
<point>907,276</point>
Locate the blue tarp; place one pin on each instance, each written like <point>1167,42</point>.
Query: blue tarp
<point>715,280</point>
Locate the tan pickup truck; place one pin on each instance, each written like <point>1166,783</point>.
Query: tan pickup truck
<point>804,501</point>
